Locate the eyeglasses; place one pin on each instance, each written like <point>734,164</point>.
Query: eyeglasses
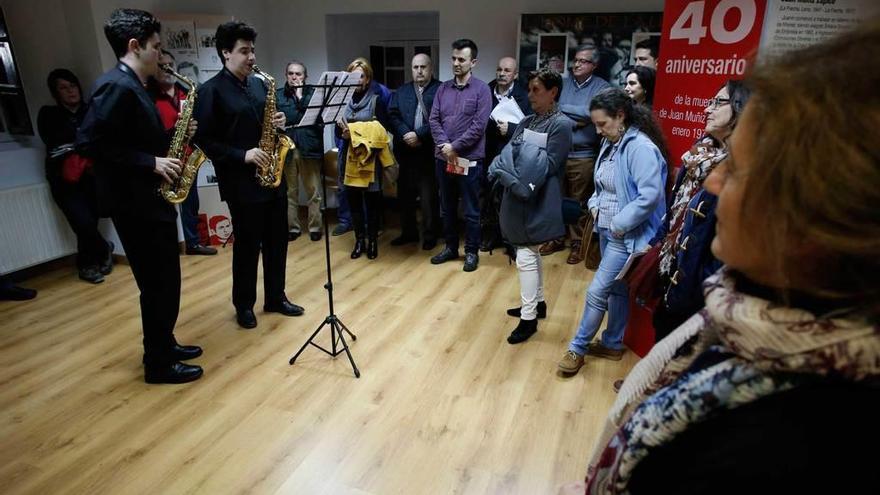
<point>717,102</point>
<point>582,61</point>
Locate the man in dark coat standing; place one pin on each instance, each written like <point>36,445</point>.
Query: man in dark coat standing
<point>505,86</point>
<point>305,161</point>
<point>408,112</point>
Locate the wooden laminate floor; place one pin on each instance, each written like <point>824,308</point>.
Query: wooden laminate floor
<point>444,405</point>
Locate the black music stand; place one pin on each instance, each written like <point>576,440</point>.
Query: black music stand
<point>329,112</point>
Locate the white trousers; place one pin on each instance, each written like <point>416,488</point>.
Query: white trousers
<point>531,280</point>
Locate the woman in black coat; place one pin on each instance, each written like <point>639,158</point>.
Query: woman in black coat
<point>70,176</point>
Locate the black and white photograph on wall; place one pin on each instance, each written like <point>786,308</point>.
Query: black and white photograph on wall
<point>611,33</point>
<point>552,52</point>
<point>179,38</point>
<point>208,58</point>
<point>190,71</point>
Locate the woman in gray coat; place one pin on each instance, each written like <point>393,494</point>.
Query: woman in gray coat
<point>531,206</point>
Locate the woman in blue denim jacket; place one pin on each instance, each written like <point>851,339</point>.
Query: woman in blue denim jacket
<point>628,205</point>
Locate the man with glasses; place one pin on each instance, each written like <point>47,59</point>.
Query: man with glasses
<point>578,88</point>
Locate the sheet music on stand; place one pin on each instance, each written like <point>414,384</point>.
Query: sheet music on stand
<point>332,94</point>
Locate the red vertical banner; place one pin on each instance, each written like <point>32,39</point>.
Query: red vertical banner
<point>704,43</point>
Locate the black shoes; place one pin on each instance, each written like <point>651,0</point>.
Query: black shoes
<point>429,244</point>
<point>315,236</point>
<point>542,310</point>
<point>404,239</point>
<point>106,265</point>
<point>372,248</point>
<point>91,274</point>
<point>16,293</point>
<point>172,373</point>
<point>523,331</point>
<point>293,235</point>
<point>359,247</point>
<point>182,353</point>
<point>489,243</point>
<point>471,260</point>
<point>446,255</point>
<point>284,307</point>
<point>185,352</point>
<point>201,250</point>
<point>246,318</point>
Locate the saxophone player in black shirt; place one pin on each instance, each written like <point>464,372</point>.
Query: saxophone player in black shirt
<point>123,133</point>
<point>230,110</point>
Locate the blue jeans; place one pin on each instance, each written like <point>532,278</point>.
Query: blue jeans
<point>467,187</point>
<point>605,294</point>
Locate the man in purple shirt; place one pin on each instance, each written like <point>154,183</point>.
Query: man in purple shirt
<point>458,125</point>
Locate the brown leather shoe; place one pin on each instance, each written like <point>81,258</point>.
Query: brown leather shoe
<point>574,257</point>
<point>571,362</point>
<point>599,350</point>
<point>551,247</point>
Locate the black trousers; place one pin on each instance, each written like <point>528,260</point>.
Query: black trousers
<point>360,198</point>
<point>490,224</point>
<point>417,178</point>
<point>78,202</point>
<point>258,228</point>
<point>152,252</point>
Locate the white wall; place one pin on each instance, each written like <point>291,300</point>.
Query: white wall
<point>353,34</point>
<point>300,27</point>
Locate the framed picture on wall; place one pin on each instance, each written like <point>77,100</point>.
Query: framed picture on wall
<point>543,37</point>
<point>553,52</point>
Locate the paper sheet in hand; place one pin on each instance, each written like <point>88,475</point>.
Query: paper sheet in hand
<point>460,167</point>
<point>339,97</point>
<point>507,111</point>
<point>539,139</point>
<point>630,262</point>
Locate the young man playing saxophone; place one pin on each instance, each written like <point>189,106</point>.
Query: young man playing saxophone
<point>230,108</point>
<point>123,133</point>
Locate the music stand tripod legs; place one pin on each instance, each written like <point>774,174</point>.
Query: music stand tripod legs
<point>337,328</point>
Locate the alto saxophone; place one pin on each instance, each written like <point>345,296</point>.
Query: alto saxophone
<point>275,144</point>
<point>190,156</point>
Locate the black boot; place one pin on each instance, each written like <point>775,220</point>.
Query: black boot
<point>359,248</point>
<point>372,248</point>
<point>542,310</point>
<point>523,331</point>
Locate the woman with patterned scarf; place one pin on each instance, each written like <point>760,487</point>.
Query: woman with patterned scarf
<point>773,386</point>
<point>684,260</point>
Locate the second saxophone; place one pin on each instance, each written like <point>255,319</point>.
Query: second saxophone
<point>275,144</point>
